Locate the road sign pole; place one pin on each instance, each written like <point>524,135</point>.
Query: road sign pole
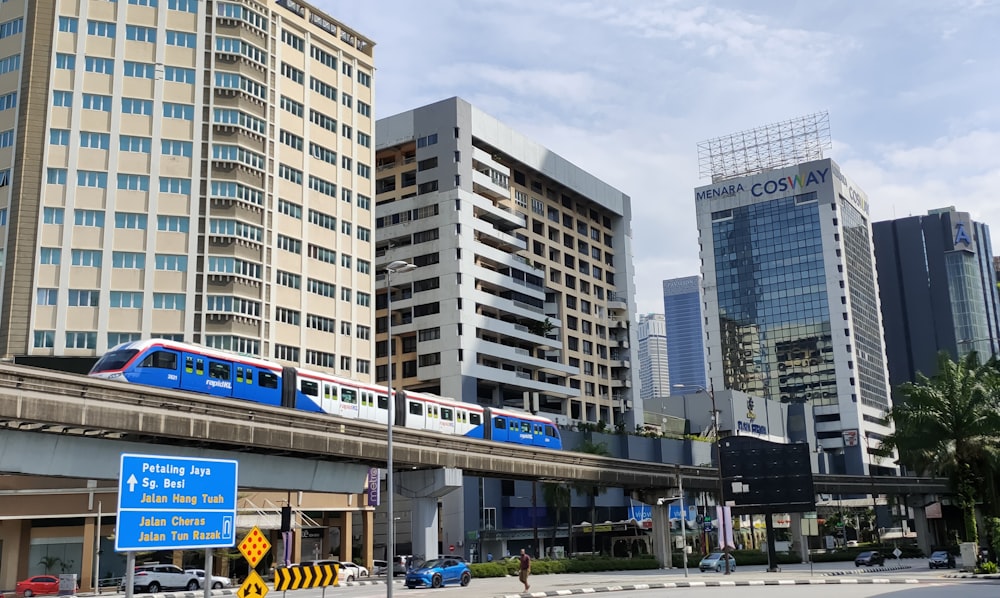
<point>129,574</point>
<point>207,584</point>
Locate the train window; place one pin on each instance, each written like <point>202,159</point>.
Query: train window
<point>199,366</point>
<point>366,398</point>
<point>446,414</point>
<point>538,429</point>
<point>329,391</point>
<point>349,396</point>
<point>526,427</point>
<point>189,364</point>
<point>249,376</point>
<point>500,423</point>
<point>310,388</point>
<point>550,431</point>
<point>239,374</point>
<point>219,371</point>
<point>383,402</point>
<point>268,380</point>
<point>475,419</point>
<point>416,409</point>
<point>164,360</point>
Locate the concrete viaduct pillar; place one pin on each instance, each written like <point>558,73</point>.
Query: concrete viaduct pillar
<point>424,487</point>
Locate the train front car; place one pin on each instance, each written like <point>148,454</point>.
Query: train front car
<point>168,364</point>
<point>114,364</point>
<point>521,427</point>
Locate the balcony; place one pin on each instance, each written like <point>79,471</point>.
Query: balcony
<point>617,301</point>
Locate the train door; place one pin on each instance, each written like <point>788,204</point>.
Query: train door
<point>433,419</point>
<point>245,387</point>
<point>159,368</point>
<point>330,399</point>
<point>368,410</point>
<point>537,434</point>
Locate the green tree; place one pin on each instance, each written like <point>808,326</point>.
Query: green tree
<point>592,490</point>
<point>558,498</point>
<point>949,426</point>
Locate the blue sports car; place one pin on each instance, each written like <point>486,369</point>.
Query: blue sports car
<point>438,572</point>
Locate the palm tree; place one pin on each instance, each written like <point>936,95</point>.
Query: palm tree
<point>590,489</point>
<point>949,425</point>
<point>557,498</point>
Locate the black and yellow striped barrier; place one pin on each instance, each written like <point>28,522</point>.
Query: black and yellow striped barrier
<point>308,576</point>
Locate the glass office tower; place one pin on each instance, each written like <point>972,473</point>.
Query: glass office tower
<point>792,307</point>
<point>685,333</point>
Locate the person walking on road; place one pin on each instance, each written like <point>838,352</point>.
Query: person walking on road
<point>525,569</point>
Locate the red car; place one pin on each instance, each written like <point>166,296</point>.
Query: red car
<point>38,585</point>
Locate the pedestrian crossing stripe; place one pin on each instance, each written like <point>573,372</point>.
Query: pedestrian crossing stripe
<point>310,576</point>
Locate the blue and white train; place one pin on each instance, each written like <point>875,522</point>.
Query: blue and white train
<point>181,366</point>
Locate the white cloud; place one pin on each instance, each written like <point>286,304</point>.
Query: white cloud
<point>626,89</point>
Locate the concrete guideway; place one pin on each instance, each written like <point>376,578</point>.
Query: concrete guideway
<point>40,401</point>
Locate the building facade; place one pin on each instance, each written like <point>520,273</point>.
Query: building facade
<point>936,271</point>
<point>792,301</point>
<point>524,292</point>
<point>654,373</point>
<point>191,170</point>
<point>682,309</point>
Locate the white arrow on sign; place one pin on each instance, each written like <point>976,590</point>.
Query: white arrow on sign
<point>131,481</point>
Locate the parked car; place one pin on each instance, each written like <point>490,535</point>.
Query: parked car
<point>153,578</point>
<point>218,581</point>
<point>356,570</point>
<point>716,562</point>
<point>869,558</point>
<point>941,559</point>
<point>343,573</point>
<point>379,567</point>
<point>439,572</point>
<point>38,585</point>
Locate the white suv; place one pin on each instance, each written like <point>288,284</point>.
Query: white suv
<point>153,578</point>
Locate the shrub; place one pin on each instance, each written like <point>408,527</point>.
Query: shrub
<point>987,567</point>
<point>575,565</point>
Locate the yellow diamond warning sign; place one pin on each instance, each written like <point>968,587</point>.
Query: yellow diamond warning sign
<point>253,587</point>
<point>254,546</point>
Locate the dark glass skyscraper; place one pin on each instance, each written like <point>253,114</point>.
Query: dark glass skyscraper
<point>936,274</point>
<point>792,304</point>
<point>685,333</point>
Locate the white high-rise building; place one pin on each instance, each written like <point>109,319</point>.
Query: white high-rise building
<point>654,372</point>
<point>524,291</point>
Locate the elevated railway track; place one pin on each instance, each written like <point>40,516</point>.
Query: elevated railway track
<point>46,402</point>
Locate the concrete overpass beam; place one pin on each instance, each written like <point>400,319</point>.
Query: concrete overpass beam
<point>424,487</point>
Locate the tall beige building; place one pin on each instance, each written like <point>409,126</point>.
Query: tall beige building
<point>184,169</point>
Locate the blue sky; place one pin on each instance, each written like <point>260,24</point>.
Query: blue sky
<point>627,88</point>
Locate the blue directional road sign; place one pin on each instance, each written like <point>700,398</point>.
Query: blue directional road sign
<point>167,503</point>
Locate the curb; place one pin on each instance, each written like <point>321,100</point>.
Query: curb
<point>711,584</point>
<point>972,576</point>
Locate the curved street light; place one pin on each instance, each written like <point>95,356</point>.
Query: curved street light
<point>396,267</point>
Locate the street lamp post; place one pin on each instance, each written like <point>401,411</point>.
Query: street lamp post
<point>718,462</point>
<point>398,266</point>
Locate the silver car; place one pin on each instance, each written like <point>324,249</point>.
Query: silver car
<point>218,581</point>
